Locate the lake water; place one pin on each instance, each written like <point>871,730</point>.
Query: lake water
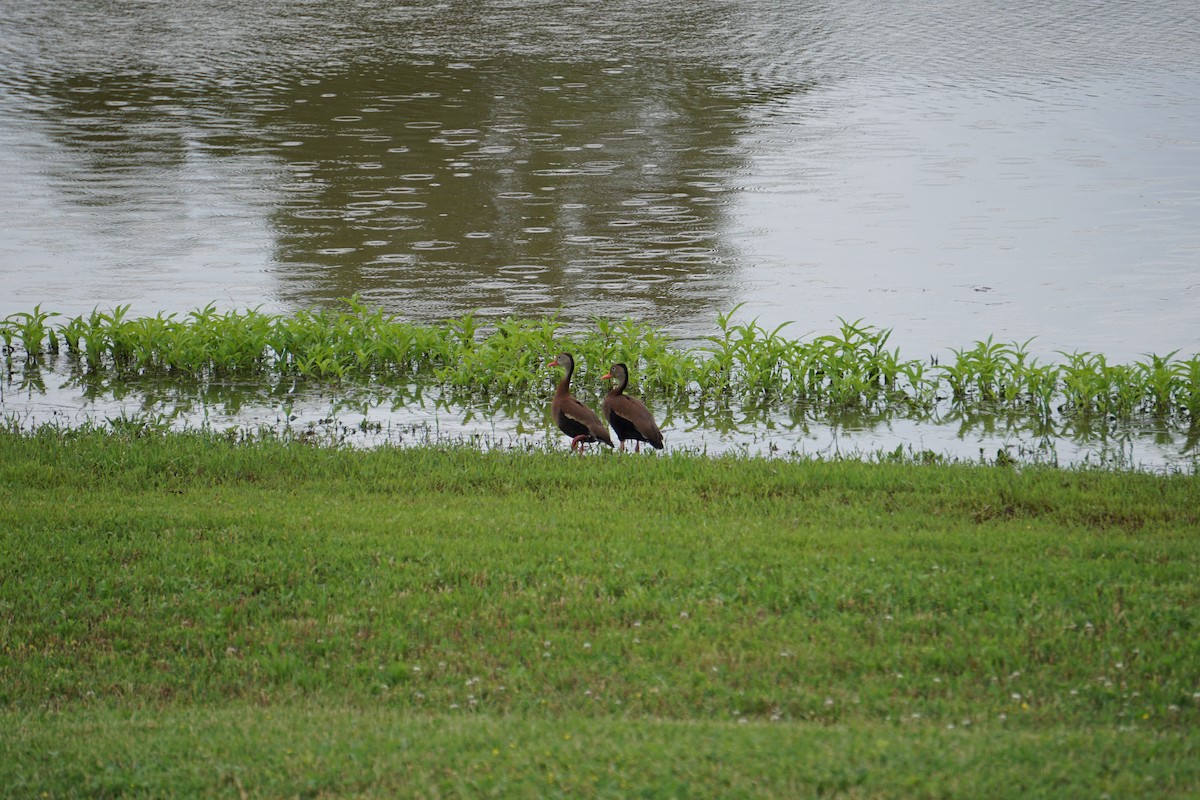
<point>950,170</point>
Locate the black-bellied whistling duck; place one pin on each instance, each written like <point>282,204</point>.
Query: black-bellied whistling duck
<point>573,417</point>
<point>629,416</point>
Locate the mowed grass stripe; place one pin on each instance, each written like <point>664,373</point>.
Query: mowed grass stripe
<point>319,751</point>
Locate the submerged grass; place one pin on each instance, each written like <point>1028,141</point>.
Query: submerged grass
<point>742,362</point>
<point>182,614</point>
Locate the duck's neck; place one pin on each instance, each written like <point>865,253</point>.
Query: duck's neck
<point>564,385</point>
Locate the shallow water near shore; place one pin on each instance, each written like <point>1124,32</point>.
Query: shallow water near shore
<point>367,416</point>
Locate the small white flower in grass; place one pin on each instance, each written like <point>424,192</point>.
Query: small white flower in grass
<point>683,615</point>
<point>545,644</point>
<point>1003,716</point>
<point>587,645</point>
<point>828,702</point>
<point>416,668</point>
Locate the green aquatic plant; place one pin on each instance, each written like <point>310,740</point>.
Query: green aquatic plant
<point>742,363</point>
<point>1187,388</point>
<point>1160,376</point>
<point>717,368</point>
<point>1039,385</point>
<point>982,372</point>
<point>850,366</point>
<point>1092,386</point>
<point>509,361</point>
<point>760,359</point>
<point>1003,375</point>
<point>32,329</point>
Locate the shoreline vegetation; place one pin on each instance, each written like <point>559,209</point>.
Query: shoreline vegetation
<point>851,369</point>
<point>188,615</point>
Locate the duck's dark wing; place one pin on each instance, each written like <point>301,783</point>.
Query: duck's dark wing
<point>631,419</point>
<point>575,419</point>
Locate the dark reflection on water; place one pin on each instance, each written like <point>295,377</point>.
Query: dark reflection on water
<point>442,190</point>
<point>432,158</point>
<point>439,190</point>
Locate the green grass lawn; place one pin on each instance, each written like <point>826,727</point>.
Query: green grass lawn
<point>184,616</point>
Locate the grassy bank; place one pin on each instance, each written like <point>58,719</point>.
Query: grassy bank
<point>183,615</point>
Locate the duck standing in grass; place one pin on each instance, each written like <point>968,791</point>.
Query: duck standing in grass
<point>629,416</point>
<point>573,417</point>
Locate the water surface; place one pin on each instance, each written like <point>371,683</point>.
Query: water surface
<point>951,170</point>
